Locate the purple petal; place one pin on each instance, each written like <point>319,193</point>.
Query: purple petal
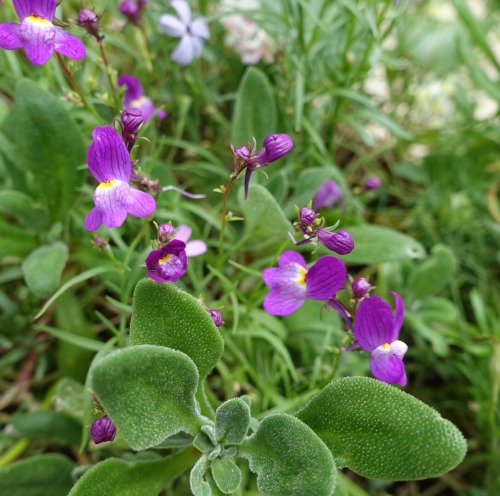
<point>183,10</point>
<point>325,278</point>
<point>283,301</point>
<point>38,53</point>
<point>199,28</point>
<point>248,173</point>
<point>69,45</point>
<point>185,51</point>
<point>183,233</point>
<point>388,368</point>
<point>108,157</point>
<point>39,8</point>
<point>134,88</point>
<point>102,430</point>
<point>373,325</point>
<point>110,199</point>
<point>342,312</point>
<point>10,38</point>
<point>93,220</point>
<point>145,105</point>
<point>172,26</point>
<point>168,263</point>
<point>326,195</point>
<point>398,315</point>
<point>340,242</point>
<point>195,248</point>
<point>139,203</point>
<point>291,256</point>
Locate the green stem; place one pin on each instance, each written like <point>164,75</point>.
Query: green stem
<point>73,82</point>
<point>108,74</point>
<point>224,211</point>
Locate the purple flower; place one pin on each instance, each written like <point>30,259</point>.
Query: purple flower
<point>89,20</point>
<point>340,242</point>
<point>360,287</point>
<point>215,315</point>
<point>376,330</point>
<point>327,195</point>
<point>109,162</point>
<point>291,282</point>
<point>132,10</point>
<point>36,33</point>
<point>193,248</point>
<point>372,183</point>
<point>307,216</point>
<point>135,98</point>
<point>168,263</point>
<point>165,232</point>
<point>192,32</point>
<point>102,429</point>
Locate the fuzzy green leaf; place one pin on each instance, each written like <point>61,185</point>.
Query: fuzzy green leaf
<point>226,475</point>
<point>31,214</point>
<point>232,419</point>
<point>15,241</point>
<point>148,391</point>
<point>380,432</point>
<point>255,110</point>
<point>289,458</point>
<point>167,316</point>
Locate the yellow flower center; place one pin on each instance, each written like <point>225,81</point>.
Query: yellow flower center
<point>137,102</point>
<point>302,276</point>
<point>386,346</point>
<point>39,20</point>
<point>165,259</point>
<point>107,184</point>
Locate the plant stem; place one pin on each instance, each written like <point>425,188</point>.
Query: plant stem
<point>73,82</point>
<point>224,210</point>
<point>108,74</point>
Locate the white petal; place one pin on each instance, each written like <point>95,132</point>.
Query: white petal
<point>172,26</point>
<point>184,53</point>
<point>199,28</point>
<point>195,248</point>
<point>183,233</point>
<point>183,10</point>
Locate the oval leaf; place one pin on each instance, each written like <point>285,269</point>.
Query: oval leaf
<point>289,458</point>
<point>232,419</point>
<point>226,475</point>
<point>381,432</point>
<point>148,391</point>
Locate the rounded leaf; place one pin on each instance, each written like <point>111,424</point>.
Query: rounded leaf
<point>226,475</point>
<point>232,419</point>
<point>380,432</point>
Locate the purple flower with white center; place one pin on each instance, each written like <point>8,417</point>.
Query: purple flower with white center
<point>102,429</point>
<point>135,98</point>
<point>360,287</point>
<point>372,183</point>
<point>193,248</point>
<point>109,162</point>
<point>36,33</point>
<point>376,330</point>
<point>327,195</point>
<point>292,283</point>
<point>192,32</point>
<point>168,263</point>
<point>340,242</point>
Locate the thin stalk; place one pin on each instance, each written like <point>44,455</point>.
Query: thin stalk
<point>224,210</point>
<point>108,74</point>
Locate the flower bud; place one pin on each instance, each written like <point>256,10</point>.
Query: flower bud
<point>360,287</point>
<point>372,183</point>
<point>215,315</point>
<point>340,242</point>
<point>102,430</point>
<point>89,20</point>
<point>307,216</point>
<point>276,146</point>
<point>242,152</point>
<point>132,121</point>
<point>327,195</point>
<point>165,231</point>
<point>131,10</point>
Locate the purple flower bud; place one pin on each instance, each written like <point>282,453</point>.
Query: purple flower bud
<point>132,120</point>
<point>360,287</point>
<point>372,183</point>
<point>89,20</point>
<point>215,315</point>
<point>165,231</point>
<point>340,242</point>
<point>102,430</point>
<point>131,10</point>
<point>327,195</point>
<point>276,146</point>
<point>307,216</point>
<point>243,152</point>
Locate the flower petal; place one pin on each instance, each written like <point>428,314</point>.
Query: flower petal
<point>145,105</point>
<point>388,368</point>
<point>69,45</point>
<point>41,8</point>
<point>398,315</point>
<point>38,53</point>
<point>134,88</point>
<point>168,263</point>
<point>139,203</point>
<point>183,10</point>
<point>283,301</point>
<point>10,38</point>
<point>93,220</point>
<point>111,200</point>
<point>373,325</point>
<point>184,52</point>
<point>325,278</point>
<point>195,248</point>
<point>291,256</point>
<point>108,157</point>
<point>199,28</point>
<point>183,233</point>
<point>172,26</point>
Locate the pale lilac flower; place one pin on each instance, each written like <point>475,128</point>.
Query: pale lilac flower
<point>327,195</point>
<point>109,162</point>
<point>192,32</point>
<point>376,330</point>
<point>360,287</point>
<point>168,263</point>
<point>193,248</point>
<point>135,98</point>
<point>36,33</point>
<point>102,429</point>
<point>340,242</point>
<point>292,283</point>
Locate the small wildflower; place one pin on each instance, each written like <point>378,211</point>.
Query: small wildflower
<point>102,430</point>
<point>109,162</point>
<point>340,242</point>
<point>327,195</point>
<point>360,287</point>
<point>89,20</point>
<point>37,34</point>
<point>135,98</point>
<point>192,32</point>
<point>168,263</point>
<point>372,183</point>
<point>292,282</point>
<point>193,248</point>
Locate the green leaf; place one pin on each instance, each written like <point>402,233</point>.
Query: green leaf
<point>196,483</point>
<point>42,475</point>
<point>433,274</point>
<point>232,419</point>
<point>15,241</point>
<point>226,475</point>
<point>167,316</point>
<point>289,458</point>
<point>265,223</point>
<point>255,109</point>
<point>380,432</point>
<point>49,145</point>
<point>376,244</point>
<point>22,207</point>
<point>148,392</point>
<point>43,268</point>
<point>114,477</point>
<point>49,426</point>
